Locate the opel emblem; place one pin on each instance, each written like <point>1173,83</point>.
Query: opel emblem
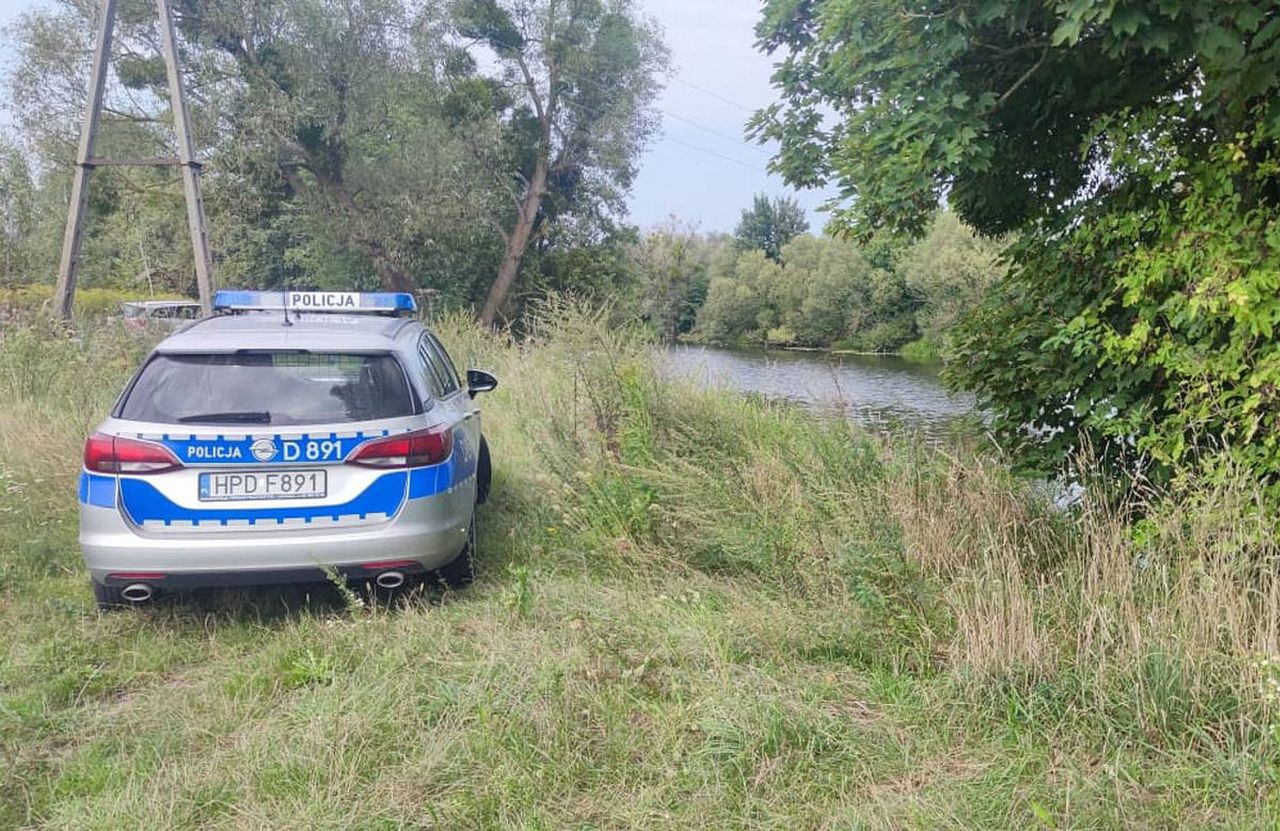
<point>264,450</point>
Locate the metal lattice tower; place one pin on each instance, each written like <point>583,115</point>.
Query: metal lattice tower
<point>64,293</point>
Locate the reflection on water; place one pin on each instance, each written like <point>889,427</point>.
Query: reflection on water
<point>882,392</point>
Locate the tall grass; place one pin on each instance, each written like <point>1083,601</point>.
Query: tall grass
<point>33,300</point>
<point>692,608</point>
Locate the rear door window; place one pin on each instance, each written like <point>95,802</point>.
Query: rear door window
<point>430,372</point>
<point>444,362</point>
<point>441,374</point>
<point>276,388</point>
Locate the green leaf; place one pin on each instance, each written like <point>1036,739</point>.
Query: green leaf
<point>1068,32</point>
<point>1220,45</point>
<point>1128,20</point>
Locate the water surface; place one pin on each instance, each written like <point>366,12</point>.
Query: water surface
<point>883,392</point>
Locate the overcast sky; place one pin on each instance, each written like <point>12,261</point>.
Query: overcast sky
<point>715,63</point>
<point>699,168</point>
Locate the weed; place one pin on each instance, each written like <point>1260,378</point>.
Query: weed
<point>352,601</point>
<point>519,594</point>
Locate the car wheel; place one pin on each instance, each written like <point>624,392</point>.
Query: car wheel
<point>108,598</point>
<point>461,572</point>
<point>484,473</point>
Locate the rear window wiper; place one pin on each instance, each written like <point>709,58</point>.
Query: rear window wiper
<point>247,417</point>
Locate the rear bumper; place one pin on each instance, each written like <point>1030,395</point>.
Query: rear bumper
<point>180,580</point>
<point>428,532</point>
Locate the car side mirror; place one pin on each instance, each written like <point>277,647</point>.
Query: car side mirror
<point>479,381</point>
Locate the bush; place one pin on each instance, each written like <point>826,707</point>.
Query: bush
<point>823,291</point>
<point>921,351</point>
<point>948,273</point>
<point>32,299</point>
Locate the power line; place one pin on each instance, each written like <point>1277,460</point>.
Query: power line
<point>716,95</point>
<point>690,145</point>
<point>672,139</point>
<point>709,152</point>
<point>707,129</point>
<point>682,143</point>
<point>713,131</point>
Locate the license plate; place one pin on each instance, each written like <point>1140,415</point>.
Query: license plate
<point>283,484</point>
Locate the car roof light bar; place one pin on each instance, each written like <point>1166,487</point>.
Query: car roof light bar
<point>346,302</point>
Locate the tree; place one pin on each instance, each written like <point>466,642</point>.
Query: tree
<point>17,213</point>
<point>824,292</point>
<point>738,306</point>
<point>328,160</point>
<point>1132,146</point>
<point>948,274</point>
<point>563,116</point>
<point>672,263</point>
<point>769,224</point>
<point>333,105</point>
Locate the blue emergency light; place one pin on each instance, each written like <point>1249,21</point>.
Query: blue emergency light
<point>348,302</point>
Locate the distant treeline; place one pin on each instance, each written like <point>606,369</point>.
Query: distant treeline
<point>797,289</point>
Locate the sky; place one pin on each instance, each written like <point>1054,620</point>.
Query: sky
<point>699,168</point>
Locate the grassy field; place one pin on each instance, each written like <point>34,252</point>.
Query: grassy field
<point>693,611</point>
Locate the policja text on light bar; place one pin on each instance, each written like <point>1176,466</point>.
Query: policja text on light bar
<point>315,301</point>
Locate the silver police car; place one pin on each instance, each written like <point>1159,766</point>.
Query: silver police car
<point>290,435</point>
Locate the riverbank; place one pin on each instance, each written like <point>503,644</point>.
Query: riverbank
<point>917,351</point>
<point>692,609</point>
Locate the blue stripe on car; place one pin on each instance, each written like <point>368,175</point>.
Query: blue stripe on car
<point>465,458</point>
<point>142,502</point>
<point>428,481</point>
<point>458,468</point>
<point>98,491</point>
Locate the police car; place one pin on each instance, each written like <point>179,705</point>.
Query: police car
<point>289,435</point>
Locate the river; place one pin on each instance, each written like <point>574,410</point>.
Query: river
<point>882,392</point>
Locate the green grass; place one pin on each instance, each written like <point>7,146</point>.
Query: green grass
<point>692,610</point>
<point>922,351</point>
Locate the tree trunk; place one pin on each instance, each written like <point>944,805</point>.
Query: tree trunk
<point>390,275</point>
<point>517,243</point>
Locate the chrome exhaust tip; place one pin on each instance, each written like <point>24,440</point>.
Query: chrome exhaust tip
<point>137,592</point>
<point>390,579</point>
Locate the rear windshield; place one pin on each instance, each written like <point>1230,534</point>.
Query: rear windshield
<point>278,388</point>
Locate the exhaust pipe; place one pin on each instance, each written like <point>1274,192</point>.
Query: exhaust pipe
<point>390,579</point>
<point>137,592</point>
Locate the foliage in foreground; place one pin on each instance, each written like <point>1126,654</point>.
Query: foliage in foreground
<point>693,609</point>
<point>1136,146</point>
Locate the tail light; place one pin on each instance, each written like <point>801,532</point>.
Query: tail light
<point>113,454</point>
<point>418,449</point>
